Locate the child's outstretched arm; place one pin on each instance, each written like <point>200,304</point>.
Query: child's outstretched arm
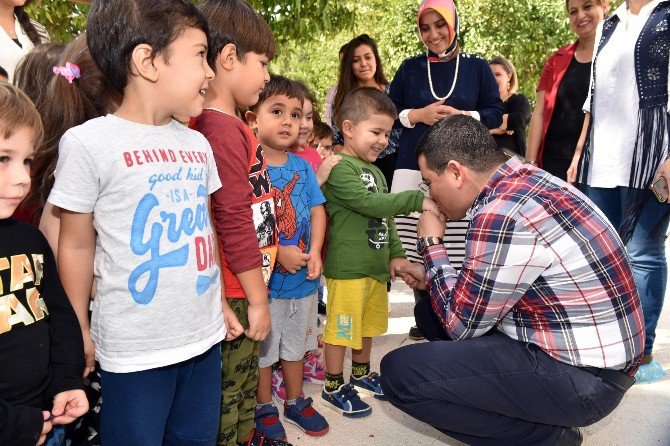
<point>318,220</point>
<point>76,248</point>
<point>346,188</point>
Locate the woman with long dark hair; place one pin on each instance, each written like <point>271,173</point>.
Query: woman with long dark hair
<point>361,66</point>
<point>18,34</point>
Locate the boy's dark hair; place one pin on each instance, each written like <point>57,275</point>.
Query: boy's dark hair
<point>4,73</point>
<point>116,27</point>
<point>16,112</point>
<point>463,139</point>
<point>322,130</point>
<point>362,102</point>
<point>234,21</point>
<point>35,70</point>
<point>279,85</point>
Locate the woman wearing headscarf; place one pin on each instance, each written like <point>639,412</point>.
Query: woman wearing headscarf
<point>628,148</point>
<point>442,81</point>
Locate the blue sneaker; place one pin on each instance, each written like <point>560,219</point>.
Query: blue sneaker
<point>266,422</point>
<point>346,401</point>
<point>303,415</point>
<point>370,384</point>
<point>649,373</point>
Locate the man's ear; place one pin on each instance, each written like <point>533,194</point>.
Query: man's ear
<point>348,128</point>
<point>252,120</point>
<point>455,171</point>
<point>143,62</point>
<point>227,57</point>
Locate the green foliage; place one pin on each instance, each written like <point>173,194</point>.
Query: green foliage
<point>309,33</point>
<point>63,19</point>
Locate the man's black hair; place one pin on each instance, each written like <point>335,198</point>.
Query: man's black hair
<point>463,139</point>
<point>115,27</point>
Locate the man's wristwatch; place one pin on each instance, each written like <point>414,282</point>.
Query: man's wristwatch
<point>424,242</point>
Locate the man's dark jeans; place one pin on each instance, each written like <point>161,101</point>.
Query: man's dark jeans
<point>491,390</point>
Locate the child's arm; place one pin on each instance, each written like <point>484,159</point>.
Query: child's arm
<point>233,326</point>
<point>233,219</point>
<point>326,167</point>
<point>318,220</point>
<point>346,188</point>
<point>23,425</point>
<point>76,248</point>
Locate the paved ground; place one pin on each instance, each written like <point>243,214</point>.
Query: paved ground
<point>642,419</point>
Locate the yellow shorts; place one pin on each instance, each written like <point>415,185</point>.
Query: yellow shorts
<point>356,309</point>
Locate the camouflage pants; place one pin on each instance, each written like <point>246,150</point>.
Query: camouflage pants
<point>240,380</point>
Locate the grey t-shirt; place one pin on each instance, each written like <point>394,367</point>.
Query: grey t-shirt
<point>158,288</point>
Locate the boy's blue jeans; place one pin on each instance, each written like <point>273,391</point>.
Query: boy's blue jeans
<point>647,253</point>
<point>174,405</point>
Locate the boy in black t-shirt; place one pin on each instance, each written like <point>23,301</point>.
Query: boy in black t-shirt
<point>41,348</point>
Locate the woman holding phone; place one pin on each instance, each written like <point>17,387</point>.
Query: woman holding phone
<point>627,147</point>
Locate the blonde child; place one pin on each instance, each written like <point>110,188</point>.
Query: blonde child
<point>360,212</point>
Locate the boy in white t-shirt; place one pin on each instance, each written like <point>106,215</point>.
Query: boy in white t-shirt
<point>134,192</point>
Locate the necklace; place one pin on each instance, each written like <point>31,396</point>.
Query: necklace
<point>453,84</point>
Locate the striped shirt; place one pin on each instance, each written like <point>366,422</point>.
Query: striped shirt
<point>543,265</point>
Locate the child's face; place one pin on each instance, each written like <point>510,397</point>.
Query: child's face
<point>16,156</point>
<point>368,138</point>
<point>326,143</point>
<point>306,123</point>
<point>186,75</point>
<point>251,76</point>
<point>277,122</point>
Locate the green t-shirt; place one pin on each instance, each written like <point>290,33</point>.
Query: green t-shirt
<point>362,236</point>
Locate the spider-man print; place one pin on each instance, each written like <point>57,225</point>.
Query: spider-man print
<point>295,191</point>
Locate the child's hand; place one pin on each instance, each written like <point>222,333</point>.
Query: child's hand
<point>292,258</point>
<point>46,428</point>
<point>259,321</point>
<point>233,326</point>
<point>89,352</point>
<point>398,262</point>
<point>326,166</point>
<point>413,275</point>
<point>430,205</point>
<point>314,266</point>
<point>68,406</point>
<point>323,152</point>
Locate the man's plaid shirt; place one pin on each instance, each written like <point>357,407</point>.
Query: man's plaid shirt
<point>543,265</point>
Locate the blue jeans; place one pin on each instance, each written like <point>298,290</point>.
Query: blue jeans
<point>647,253</point>
<point>491,390</point>
<point>174,405</point>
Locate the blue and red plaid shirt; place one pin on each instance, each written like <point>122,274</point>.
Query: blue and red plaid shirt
<point>543,265</point>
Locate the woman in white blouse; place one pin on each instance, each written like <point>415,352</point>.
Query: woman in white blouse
<point>18,34</point>
<point>627,146</point>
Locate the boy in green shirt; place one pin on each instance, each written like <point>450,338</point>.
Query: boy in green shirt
<point>363,248</point>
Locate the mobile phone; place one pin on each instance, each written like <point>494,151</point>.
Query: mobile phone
<point>660,189</point>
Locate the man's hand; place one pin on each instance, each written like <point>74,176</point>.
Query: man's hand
<point>395,264</point>
<point>89,352</point>
<point>233,326</point>
<point>413,274</point>
<point>431,224</point>
<point>46,428</point>
<point>292,258</point>
<point>68,406</point>
<point>259,321</point>
<point>314,266</point>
